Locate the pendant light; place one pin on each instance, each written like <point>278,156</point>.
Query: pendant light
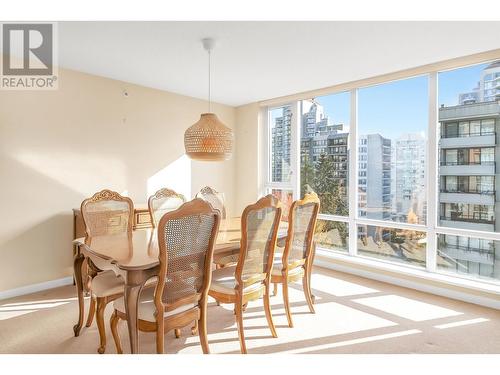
<point>209,139</point>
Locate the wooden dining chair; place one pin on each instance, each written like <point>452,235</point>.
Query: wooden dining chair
<point>215,198</point>
<point>249,279</point>
<point>106,213</point>
<point>295,262</point>
<point>163,201</point>
<point>186,239</point>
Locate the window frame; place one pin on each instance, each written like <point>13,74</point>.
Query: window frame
<point>432,227</point>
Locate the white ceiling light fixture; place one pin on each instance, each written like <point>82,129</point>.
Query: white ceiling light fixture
<point>209,139</point>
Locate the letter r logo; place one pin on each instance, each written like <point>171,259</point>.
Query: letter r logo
<point>27,49</point>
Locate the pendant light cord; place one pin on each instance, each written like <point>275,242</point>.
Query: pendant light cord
<point>209,83</point>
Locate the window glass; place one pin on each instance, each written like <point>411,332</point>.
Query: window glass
<point>325,170</point>
<point>397,245</point>
<point>395,154</point>
<point>281,123</point>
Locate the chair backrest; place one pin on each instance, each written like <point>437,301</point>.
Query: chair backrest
<point>186,239</point>
<point>106,213</point>
<point>163,201</point>
<point>301,224</point>
<point>215,198</point>
<point>259,229</point>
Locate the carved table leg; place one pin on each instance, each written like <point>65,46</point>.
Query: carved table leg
<point>77,264</point>
<point>132,292</point>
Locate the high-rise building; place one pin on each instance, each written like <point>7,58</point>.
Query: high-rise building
<point>469,154</point>
<point>281,141</point>
<point>319,136</point>
<point>487,89</point>
<point>374,177</point>
<point>408,178</point>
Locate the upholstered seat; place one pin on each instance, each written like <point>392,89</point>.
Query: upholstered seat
<point>278,266</point>
<point>106,284</point>
<point>146,306</point>
<point>224,281</point>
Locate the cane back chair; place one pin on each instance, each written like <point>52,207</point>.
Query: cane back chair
<point>249,279</point>
<point>215,198</point>
<point>163,201</point>
<point>186,239</point>
<point>106,213</point>
<point>295,262</point>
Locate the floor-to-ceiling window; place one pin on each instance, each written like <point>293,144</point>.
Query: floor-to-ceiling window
<point>406,170</point>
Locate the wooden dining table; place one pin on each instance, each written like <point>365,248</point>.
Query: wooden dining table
<point>134,256</point>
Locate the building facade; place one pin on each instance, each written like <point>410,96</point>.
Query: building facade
<point>469,154</point>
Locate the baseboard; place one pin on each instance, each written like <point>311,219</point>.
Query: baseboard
<point>33,288</point>
<point>412,284</point>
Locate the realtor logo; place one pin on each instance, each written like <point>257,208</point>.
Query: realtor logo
<point>28,56</point>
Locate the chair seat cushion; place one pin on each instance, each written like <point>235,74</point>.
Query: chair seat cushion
<point>278,265</point>
<point>147,307</point>
<point>223,281</point>
<point>107,284</point>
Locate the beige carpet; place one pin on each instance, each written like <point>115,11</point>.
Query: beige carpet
<point>353,315</point>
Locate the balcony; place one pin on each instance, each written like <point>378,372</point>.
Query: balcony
<point>484,168</point>
<point>483,139</point>
<point>469,197</point>
<point>471,222</point>
<point>467,253</point>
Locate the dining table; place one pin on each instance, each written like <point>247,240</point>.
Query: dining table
<point>134,257</point>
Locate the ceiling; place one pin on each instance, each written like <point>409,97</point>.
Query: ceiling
<point>255,61</point>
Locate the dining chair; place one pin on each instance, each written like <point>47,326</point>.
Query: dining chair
<point>295,262</point>
<point>163,201</point>
<point>215,198</point>
<point>186,239</point>
<point>249,279</point>
<point>106,213</point>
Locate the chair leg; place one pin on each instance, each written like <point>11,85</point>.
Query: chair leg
<point>267,309</point>
<point>90,318</point>
<point>238,310</point>
<point>307,292</point>
<point>160,336</point>
<point>101,306</point>
<point>194,329</point>
<point>202,328</point>
<point>287,303</point>
<point>115,319</point>
<point>275,289</point>
<point>177,333</point>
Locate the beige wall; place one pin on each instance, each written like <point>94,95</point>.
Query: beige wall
<point>249,155</point>
<point>58,147</point>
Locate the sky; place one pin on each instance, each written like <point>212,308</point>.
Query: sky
<point>399,107</point>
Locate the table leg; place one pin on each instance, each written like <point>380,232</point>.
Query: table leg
<point>131,302</point>
<point>77,265</point>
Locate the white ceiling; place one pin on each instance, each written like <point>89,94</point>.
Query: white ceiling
<point>254,61</point>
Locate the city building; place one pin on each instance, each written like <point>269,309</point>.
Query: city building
<point>487,89</point>
<point>374,177</point>
<point>281,141</point>
<point>469,153</point>
<point>408,178</point>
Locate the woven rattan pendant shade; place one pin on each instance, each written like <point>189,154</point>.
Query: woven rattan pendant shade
<point>209,139</point>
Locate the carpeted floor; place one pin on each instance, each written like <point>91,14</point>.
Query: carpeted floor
<point>353,315</point>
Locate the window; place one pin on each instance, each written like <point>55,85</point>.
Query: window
<point>420,196</point>
<point>397,245</point>
<point>326,119</point>
<point>393,122</point>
